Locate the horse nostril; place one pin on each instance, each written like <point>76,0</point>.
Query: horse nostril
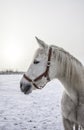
<point>25,87</point>
<point>28,86</point>
<point>21,85</point>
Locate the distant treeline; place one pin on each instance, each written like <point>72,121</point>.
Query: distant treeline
<point>11,72</point>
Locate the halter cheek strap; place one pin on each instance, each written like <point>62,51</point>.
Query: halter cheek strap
<point>45,74</point>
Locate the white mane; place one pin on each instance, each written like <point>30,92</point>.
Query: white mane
<point>70,66</point>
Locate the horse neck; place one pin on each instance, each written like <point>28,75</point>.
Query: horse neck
<point>69,71</point>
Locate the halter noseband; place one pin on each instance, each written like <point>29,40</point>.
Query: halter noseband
<point>45,74</point>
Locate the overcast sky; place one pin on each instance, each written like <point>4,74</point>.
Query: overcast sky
<point>58,22</point>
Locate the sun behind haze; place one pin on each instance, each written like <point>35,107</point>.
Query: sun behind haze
<point>12,53</point>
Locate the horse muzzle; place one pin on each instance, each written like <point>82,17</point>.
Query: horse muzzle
<point>26,88</point>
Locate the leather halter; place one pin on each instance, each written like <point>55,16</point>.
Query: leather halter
<point>45,74</point>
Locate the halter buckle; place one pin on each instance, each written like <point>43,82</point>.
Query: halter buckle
<point>33,82</point>
<point>48,64</point>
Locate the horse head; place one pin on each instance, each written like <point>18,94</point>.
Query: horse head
<point>38,73</point>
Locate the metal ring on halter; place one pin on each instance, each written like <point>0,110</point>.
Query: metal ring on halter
<point>33,82</point>
<point>48,63</point>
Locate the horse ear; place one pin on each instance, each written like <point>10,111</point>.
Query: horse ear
<point>41,43</point>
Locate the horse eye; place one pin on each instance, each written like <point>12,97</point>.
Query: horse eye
<point>36,62</point>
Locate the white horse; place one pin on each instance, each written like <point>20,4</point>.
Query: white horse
<point>52,62</point>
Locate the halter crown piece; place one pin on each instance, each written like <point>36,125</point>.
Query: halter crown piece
<point>45,74</point>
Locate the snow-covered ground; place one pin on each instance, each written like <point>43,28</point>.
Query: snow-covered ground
<point>39,110</point>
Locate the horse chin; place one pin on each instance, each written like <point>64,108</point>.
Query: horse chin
<point>28,92</point>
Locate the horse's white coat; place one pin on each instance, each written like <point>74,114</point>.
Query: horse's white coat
<point>70,72</point>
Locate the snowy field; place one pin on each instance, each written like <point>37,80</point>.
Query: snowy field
<point>38,111</point>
